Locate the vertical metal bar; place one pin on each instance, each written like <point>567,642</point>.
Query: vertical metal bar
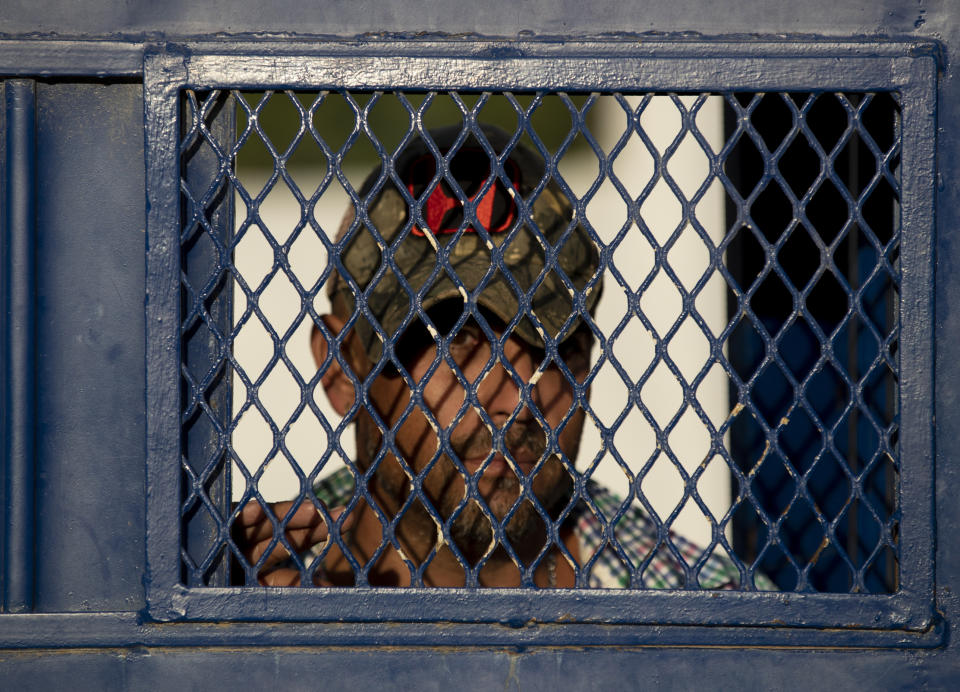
<point>19,330</point>
<point>220,396</point>
<point>204,267</point>
<point>4,328</point>
<point>918,166</point>
<point>163,74</point>
<point>853,278</point>
<point>892,486</point>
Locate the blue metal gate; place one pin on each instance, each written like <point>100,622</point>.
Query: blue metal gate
<point>127,305</point>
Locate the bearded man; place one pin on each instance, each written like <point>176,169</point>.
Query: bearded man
<point>467,418</point>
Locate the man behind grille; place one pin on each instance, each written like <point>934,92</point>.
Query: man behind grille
<point>477,390</point>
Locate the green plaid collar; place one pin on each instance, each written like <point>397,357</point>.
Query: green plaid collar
<point>620,546</point>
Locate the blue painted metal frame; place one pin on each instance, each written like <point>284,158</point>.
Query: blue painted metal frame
<point>908,68</point>
<point>18,354</point>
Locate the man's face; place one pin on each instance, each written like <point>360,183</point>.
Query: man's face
<point>498,394</point>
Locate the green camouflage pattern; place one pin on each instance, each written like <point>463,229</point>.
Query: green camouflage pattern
<point>416,256</point>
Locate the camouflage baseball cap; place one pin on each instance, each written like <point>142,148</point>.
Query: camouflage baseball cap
<point>441,215</point>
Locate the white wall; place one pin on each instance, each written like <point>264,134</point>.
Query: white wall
<point>661,303</point>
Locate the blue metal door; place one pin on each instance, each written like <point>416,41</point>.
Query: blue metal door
<point>133,220</point>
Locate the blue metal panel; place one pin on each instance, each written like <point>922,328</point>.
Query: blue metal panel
<point>90,526</point>
<point>509,669</point>
<point>112,630</point>
<point>185,656</point>
<point>373,19</point>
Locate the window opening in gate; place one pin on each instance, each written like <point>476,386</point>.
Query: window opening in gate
<point>739,400</point>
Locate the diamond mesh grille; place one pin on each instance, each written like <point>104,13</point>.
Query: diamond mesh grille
<point>746,339</point>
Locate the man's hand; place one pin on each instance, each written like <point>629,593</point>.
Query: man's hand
<point>253,531</point>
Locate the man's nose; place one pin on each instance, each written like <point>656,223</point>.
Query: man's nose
<point>499,393</point>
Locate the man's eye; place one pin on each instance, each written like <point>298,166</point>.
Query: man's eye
<point>465,338</point>
<point>575,358</point>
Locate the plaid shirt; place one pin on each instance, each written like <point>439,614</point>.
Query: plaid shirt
<point>632,539</point>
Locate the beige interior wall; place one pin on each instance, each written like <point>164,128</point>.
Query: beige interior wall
<point>636,441</point>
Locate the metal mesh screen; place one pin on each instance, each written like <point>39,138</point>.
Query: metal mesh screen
<point>747,249</point>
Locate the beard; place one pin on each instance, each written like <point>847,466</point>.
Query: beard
<point>471,530</point>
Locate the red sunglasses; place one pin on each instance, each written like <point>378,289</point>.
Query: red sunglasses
<point>470,167</point>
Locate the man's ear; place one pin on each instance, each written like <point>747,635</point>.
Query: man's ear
<point>338,386</point>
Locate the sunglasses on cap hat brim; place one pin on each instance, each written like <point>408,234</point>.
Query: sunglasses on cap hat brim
<point>443,211</point>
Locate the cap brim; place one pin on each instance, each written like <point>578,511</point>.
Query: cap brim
<point>497,296</point>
